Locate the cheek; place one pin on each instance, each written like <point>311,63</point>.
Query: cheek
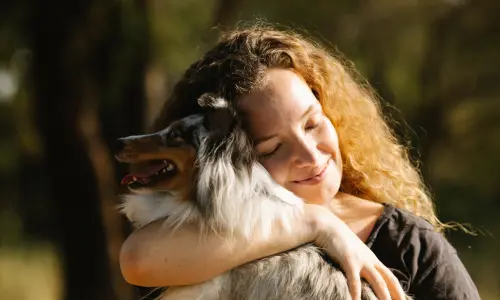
<point>328,139</point>
<point>276,169</point>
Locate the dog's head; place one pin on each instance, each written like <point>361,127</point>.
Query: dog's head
<point>207,163</point>
<point>166,160</point>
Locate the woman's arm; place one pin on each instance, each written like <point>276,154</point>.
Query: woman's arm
<point>156,256</point>
<point>437,272</point>
<point>151,256</point>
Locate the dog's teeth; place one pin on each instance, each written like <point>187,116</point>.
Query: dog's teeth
<point>170,167</point>
<point>164,170</point>
<point>165,162</point>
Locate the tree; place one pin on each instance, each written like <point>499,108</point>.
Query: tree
<point>88,67</point>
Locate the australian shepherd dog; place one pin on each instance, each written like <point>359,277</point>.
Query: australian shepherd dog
<point>202,170</point>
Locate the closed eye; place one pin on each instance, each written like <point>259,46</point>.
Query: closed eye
<point>270,153</point>
<point>311,127</point>
<point>314,123</point>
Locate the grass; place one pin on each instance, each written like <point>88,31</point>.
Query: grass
<point>30,272</point>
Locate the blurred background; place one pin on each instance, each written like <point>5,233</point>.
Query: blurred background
<point>75,75</point>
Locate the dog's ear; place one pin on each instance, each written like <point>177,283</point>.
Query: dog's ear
<point>212,101</point>
<point>219,116</point>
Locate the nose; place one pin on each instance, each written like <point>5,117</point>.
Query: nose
<point>306,154</point>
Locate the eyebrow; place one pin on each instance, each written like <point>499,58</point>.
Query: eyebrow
<point>267,138</point>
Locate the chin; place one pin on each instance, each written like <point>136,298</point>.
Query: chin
<point>319,197</point>
<point>318,194</point>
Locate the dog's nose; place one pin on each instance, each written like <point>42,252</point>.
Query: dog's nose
<point>119,145</point>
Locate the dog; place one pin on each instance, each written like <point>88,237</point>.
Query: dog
<point>202,169</point>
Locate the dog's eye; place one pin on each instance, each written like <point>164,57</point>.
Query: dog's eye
<point>175,136</point>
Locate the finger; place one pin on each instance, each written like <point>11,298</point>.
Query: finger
<point>377,283</point>
<point>395,288</point>
<point>354,283</point>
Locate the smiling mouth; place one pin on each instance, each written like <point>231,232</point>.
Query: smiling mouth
<point>158,171</point>
<point>316,178</point>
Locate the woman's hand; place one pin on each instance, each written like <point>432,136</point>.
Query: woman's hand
<point>354,257</point>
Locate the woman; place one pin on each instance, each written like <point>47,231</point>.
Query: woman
<point>321,135</point>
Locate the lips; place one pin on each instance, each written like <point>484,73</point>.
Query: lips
<point>319,174</point>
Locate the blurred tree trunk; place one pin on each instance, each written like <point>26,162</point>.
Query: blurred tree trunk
<point>88,90</point>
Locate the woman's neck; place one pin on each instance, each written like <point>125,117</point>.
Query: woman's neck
<point>359,214</point>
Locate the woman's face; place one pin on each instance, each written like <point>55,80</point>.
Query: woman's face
<point>294,140</point>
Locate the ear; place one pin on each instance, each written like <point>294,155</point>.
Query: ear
<point>219,116</point>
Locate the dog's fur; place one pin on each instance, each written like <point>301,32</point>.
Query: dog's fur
<point>232,195</point>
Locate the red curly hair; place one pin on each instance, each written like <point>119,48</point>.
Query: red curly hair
<point>376,166</point>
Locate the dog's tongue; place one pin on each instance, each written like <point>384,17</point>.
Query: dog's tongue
<point>142,176</point>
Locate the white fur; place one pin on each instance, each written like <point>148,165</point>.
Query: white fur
<point>144,208</point>
<point>240,211</point>
<point>246,202</point>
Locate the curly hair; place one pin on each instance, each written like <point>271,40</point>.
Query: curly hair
<point>376,166</point>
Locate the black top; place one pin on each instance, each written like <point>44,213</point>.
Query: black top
<point>425,263</point>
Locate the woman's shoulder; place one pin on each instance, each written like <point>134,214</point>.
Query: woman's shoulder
<point>401,218</point>
<point>399,234</point>
<point>423,259</point>
<point>402,229</point>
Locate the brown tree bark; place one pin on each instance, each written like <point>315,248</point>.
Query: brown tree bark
<point>76,46</point>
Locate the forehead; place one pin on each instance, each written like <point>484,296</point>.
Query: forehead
<point>282,101</point>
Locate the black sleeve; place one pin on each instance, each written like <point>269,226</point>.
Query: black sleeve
<point>436,271</point>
